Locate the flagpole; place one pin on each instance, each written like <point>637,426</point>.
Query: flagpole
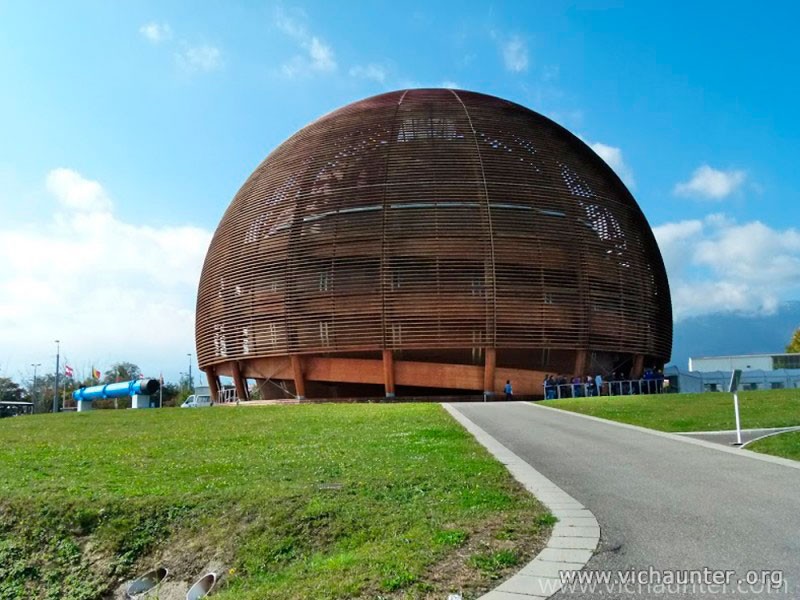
<point>55,392</point>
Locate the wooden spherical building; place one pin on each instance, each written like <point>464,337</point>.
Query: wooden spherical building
<point>430,240</point>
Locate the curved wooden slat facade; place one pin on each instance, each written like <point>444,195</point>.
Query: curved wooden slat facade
<point>434,239</point>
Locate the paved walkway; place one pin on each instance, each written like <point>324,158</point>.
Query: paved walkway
<point>662,503</point>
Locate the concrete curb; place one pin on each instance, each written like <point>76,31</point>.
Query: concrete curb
<point>733,431</point>
<point>770,434</point>
<point>776,460</point>
<point>574,537</point>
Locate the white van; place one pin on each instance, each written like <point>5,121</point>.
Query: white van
<point>197,401</point>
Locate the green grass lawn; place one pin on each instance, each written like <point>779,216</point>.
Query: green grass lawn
<point>786,445</point>
<point>692,412</point>
<point>326,501</point>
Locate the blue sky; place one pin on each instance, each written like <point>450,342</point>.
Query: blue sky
<point>128,127</point>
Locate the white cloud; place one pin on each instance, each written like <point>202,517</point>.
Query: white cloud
<point>704,297</point>
<point>291,26</point>
<point>189,57</point>
<point>371,71</point>
<point>707,182</point>
<point>716,264</point>
<point>321,56</point>
<point>318,56</point>
<point>156,32</point>
<point>110,290</point>
<point>676,242</point>
<point>199,58</point>
<point>515,54</point>
<point>613,157</point>
<point>450,84</point>
<point>753,253</point>
<point>74,191</point>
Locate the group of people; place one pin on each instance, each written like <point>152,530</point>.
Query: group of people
<point>560,386</point>
<point>619,384</point>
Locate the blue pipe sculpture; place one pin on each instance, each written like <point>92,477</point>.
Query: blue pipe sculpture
<point>144,387</point>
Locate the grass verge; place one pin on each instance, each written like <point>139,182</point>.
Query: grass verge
<point>711,411</point>
<point>332,501</point>
<point>786,445</point>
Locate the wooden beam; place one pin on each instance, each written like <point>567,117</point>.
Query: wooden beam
<point>223,369</point>
<point>490,363</point>
<point>638,366</point>
<point>213,383</point>
<point>297,374</point>
<point>388,373</point>
<point>239,382</point>
<point>580,363</point>
<point>406,373</point>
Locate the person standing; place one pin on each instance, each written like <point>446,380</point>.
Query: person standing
<point>509,391</point>
<point>550,387</point>
<point>598,384</point>
<point>577,386</point>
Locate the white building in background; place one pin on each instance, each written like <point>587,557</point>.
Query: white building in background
<point>745,362</point>
<point>759,372</point>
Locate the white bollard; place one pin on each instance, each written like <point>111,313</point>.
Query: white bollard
<point>738,424</point>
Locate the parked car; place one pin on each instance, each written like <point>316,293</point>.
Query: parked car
<point>197,401</point>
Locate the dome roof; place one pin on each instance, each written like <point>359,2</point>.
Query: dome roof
<point>432,219</point>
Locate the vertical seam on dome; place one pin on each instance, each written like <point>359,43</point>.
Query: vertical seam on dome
<point>493,332</point>
<point>382,273</point>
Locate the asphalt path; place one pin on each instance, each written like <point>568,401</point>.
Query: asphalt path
<point>665,506</point>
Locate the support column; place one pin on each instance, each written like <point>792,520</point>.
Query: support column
<point>213,383</point>
<point>638,366</point>
<point>239,382</point>
<point>388,373</point>
<point>297,373</point>
<point>580,363</point>
<point>488,371</point>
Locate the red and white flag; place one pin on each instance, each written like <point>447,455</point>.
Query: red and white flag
<point>67,371</point>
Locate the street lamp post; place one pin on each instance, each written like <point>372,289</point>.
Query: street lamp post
<point>55,392</point>
<point>191,383</point>
<point>33,391</point>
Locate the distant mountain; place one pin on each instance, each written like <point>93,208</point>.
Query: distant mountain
<point>734,333</point>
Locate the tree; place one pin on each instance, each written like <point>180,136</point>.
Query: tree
<point>43,394</point>
<point>11,392</point>
<point>169,394</point>
<point>794,345</point>
<point>122,371</point>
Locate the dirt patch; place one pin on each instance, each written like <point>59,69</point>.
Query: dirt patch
<point>457,573</point>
